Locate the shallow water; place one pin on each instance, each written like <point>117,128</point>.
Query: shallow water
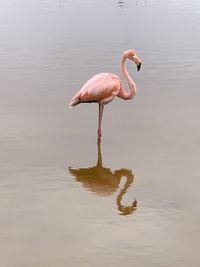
<point>64,200</point>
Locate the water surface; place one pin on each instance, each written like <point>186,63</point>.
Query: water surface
<point>64,200</point>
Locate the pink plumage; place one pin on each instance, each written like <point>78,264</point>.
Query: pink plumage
<point>103,87</point>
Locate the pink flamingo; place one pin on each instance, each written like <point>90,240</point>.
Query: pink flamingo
<point>103,87</point>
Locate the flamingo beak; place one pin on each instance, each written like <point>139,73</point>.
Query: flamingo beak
<point>137,62</point>
<point>139,66</point>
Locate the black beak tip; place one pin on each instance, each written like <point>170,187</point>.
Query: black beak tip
<point>139,66</point>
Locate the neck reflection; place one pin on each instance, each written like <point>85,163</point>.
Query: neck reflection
<point>104,182</point>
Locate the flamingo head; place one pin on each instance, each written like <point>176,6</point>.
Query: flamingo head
<point>131,54</point>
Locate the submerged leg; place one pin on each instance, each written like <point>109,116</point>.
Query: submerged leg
<point>100,120</point>
<point>99,161</point>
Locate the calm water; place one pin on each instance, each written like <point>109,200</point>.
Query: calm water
<point>134,200</point>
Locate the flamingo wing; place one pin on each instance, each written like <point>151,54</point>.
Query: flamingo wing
<point>101,88</point>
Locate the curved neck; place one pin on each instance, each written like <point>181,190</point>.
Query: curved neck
<point>132,87</point>
<point>125,210</point>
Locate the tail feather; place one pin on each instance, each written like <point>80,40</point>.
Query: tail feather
<point>74,102</point>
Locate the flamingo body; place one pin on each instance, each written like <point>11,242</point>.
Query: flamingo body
<point>103,87</point>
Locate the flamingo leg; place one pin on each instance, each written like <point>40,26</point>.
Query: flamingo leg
<point>100,120</point>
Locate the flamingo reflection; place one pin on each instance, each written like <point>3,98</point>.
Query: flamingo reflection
<point>104,182</point>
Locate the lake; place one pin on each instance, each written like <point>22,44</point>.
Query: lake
<point>132,200</point>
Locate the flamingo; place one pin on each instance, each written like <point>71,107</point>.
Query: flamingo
<point>102,88</point>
